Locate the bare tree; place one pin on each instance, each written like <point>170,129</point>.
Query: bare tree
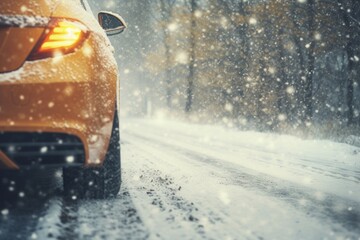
<point>192,42</point>
<point>166,9</point>
<point>308,98</point>
<point>163,13</point>
<point>348,8</point>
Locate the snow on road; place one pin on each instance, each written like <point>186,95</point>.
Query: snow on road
<point>187,181</point>
<point>190,181</point>
<point>55,217</point>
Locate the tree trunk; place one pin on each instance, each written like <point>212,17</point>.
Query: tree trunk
<point>308,98</point>
<point>300,82</point>
<point>350,52</point>
<point>168,75</point>
<point>281,84</point>
<point>190,87</point>
<point>168,78</point>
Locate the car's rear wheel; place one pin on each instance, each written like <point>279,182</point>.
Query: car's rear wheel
<point>102,182</point>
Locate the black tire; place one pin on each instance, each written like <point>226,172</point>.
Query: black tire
<point>97,183</point>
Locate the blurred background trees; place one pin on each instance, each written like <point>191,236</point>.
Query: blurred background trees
<point>265,64</point>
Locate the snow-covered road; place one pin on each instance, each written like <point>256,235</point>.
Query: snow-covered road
<point>186,181</point>
<point>191,181</point>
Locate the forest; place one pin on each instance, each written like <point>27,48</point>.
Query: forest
<point>271,65</point>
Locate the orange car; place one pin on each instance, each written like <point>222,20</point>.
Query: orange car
<point>59,93</point>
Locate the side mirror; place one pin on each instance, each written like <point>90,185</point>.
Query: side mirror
<point>112,23</point>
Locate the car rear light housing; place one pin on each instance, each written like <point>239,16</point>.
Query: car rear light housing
<point>62,36</point>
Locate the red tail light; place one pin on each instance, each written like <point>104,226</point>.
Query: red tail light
<point>61,37</point>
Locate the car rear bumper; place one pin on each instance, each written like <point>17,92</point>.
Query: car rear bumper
<point>40,148</point>
<point>70,96</point>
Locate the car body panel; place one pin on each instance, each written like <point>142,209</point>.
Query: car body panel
<point>16,45</point>
<point>73,93</point>
<point>28,8</point>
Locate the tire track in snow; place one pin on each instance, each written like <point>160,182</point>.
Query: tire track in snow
<point>114,218</point>
<point>177,211</point>
<point>167,213</point>
<point>51,216</point>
